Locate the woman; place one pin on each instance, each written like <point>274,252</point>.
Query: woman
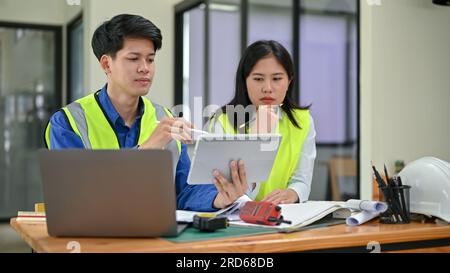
<point>264,81</point>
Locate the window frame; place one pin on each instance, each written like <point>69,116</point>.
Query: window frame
<point>186,5</point>
<point>70,27</point>
<point>57,31</point>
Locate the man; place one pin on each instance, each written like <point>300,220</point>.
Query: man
<point>119,116</point>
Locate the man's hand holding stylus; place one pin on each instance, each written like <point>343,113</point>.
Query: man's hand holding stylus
<point>167,130</point>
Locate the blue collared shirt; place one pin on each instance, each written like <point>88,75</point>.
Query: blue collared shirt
<point>189,197</point>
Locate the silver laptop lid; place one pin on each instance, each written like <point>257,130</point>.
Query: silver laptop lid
<point>109,193</point>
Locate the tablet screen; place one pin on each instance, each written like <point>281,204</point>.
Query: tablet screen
<point>217,151</point>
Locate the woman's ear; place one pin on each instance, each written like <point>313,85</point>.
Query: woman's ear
<point>105,64</point>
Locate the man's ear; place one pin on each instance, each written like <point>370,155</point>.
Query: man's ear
<point>105,62</point>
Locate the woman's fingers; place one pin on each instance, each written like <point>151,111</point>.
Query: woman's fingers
<point>239,177</point>
<point>278,200</point>
<point>219,187</point>
<point>222,199</point>
<point>222,180</point>
<point>287,196</point>
<point>271,196</point>
<point>270,199</point>
<point>234,173</point>
<point>242,175</point>
<point>267,118</point>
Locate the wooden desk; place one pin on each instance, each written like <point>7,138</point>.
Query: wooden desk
<point>422,237</point>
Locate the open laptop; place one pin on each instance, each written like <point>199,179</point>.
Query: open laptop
<point>109,193</point>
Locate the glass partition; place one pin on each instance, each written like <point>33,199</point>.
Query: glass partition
<point>29,93</point>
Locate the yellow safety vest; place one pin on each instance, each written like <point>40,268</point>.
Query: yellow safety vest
<point>288,153</point>
<point>89,122</point>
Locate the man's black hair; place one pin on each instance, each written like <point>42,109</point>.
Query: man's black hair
<point>109,37</point>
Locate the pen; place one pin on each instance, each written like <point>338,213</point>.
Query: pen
<point>378,178</point>
<point>398,201</point>
<point>394,193</point>
<point>193,130</point>
<point>386,173</point>
<point>198,131</point>
<point>387,192</point>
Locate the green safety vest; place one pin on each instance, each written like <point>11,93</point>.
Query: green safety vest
<point>288,153</point>
<point>88,120</point>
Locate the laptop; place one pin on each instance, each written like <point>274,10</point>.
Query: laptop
<point>109,193</point>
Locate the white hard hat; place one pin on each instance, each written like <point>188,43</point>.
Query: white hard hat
<point>429,178</point>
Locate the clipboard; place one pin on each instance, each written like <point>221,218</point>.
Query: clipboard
<point>214,151</point>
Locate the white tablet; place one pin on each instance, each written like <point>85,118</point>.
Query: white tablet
<point>217,151</point>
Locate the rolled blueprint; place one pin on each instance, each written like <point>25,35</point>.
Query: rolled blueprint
<point>366,205</point>
<point>359,218</point>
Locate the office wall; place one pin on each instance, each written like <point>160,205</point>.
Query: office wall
<point>405,93</point>
<point>48,12</point>
<point>70,12</point>
<point>45,12</point>
<point>161,13</point>
<point>32,12</point>
<point>58,12</point>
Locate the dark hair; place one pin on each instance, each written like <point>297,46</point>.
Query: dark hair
<point>252,54</point>
<point>108,38</point>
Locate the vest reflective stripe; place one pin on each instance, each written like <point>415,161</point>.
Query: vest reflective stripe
<point>89,122</point>
<point>77,119</point>
<point>288,153</point>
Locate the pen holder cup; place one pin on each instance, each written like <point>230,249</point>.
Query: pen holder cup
<point>397,199</point>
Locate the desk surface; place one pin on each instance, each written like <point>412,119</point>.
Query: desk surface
<point>334,237</point>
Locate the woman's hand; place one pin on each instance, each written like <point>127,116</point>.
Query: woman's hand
<point>287,196</point>
<point>230,191</point>
<point>266,119</point>
<point>168,129</point>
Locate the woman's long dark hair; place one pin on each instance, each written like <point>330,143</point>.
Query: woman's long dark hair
<point>252,54</point>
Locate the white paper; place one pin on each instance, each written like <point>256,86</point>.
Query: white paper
<point>231,212</point>
<point>186,216</point>
<point>361,217</point>
<point>366,205</point>
<point>301,214</point>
